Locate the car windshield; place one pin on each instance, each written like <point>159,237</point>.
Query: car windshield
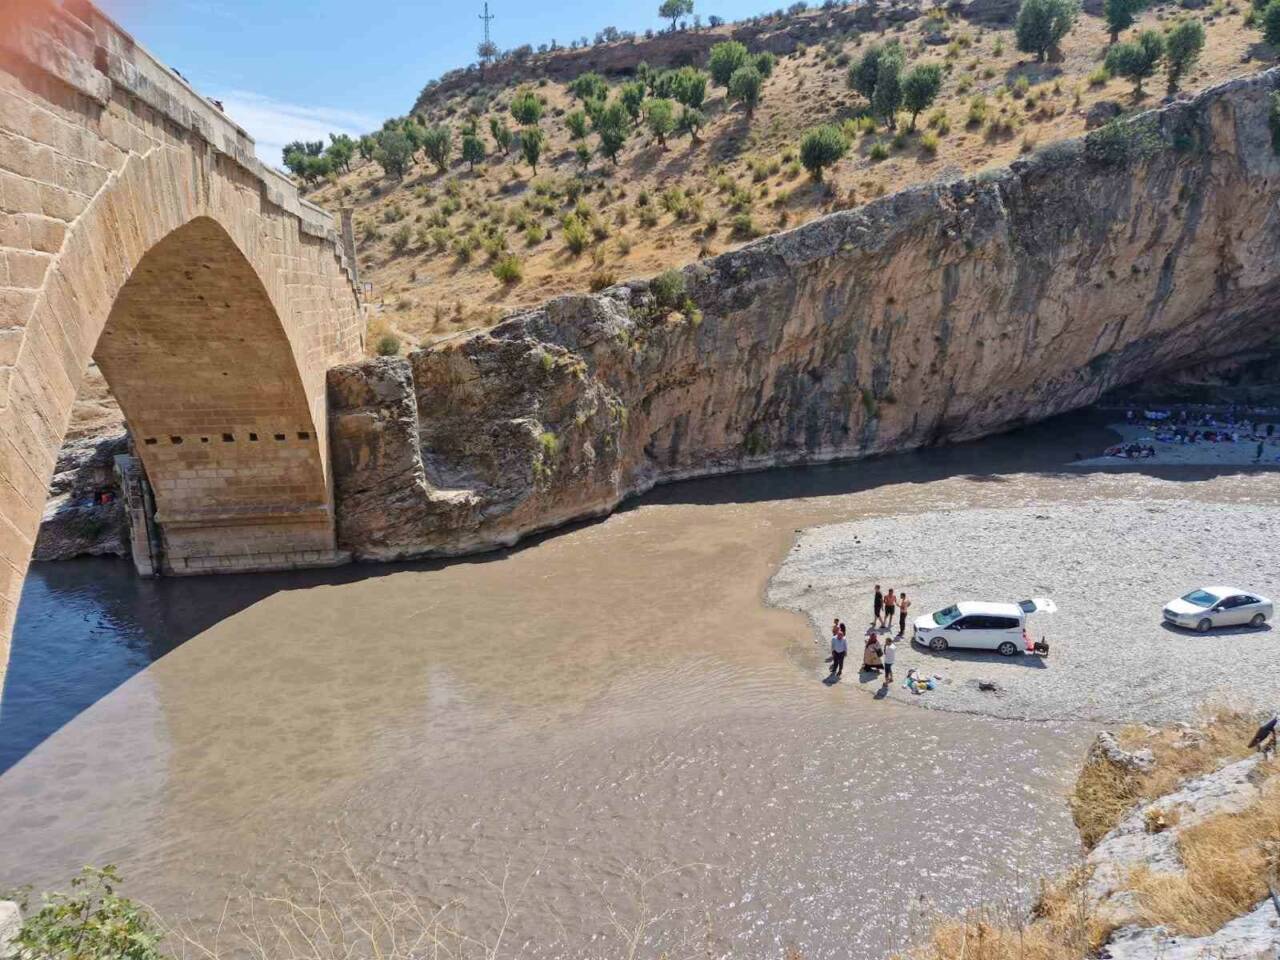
<point>1201,598</point>
<point>944,618</point>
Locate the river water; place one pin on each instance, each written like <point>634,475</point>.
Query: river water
<point>609,718</point>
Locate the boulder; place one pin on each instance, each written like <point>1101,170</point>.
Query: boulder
<point>1255,936</point>
<point>1105,748</point>
<point>1101,112</point>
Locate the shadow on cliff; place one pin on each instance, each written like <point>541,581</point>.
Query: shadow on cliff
<point>85,627</point>
<point>1047,448</point>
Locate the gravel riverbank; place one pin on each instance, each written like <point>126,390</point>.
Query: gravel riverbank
<point>1109,565</point>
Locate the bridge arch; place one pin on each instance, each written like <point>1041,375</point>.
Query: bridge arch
<point>137,227</point>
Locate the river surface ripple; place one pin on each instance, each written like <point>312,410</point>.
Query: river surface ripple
<point>604,705</point>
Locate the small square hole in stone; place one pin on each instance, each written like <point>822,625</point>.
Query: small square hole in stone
<point>175,440</point>
<point>228,438</point>
<point>279,436</point>
<point>303,435</point>
<point>150,441</point>
<point>253,436</point>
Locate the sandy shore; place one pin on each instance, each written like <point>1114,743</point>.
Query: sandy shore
<point>1239,453</point>
<point>1109,565</point>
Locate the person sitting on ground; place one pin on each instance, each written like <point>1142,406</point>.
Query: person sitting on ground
<point>871,652</point>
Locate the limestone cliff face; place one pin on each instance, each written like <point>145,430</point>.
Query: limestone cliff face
<point>941,313</point>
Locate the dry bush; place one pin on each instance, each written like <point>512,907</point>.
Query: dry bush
<point>1104,792</point>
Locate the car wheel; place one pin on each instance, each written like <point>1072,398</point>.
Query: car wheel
<point>1204,625</point>
<point>1007,649</point>
<point>938,644</point>
<point>1258,620</point>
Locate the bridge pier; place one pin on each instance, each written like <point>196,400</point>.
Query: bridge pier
<point>137,227</point>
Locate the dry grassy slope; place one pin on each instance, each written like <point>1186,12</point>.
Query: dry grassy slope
<point>424,294</point>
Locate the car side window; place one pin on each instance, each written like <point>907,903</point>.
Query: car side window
<point>1245,601</point>
<point>965,623</point>
<point>1231,603</point>
<point>1004,623</point>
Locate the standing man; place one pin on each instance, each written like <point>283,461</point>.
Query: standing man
<point>890,655</point>
<point>878,607</point>
<point>839,647</point>
<point>903,604</point>
<point>890,602</point>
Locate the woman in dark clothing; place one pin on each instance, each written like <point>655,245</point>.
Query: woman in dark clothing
<point>877,608</point>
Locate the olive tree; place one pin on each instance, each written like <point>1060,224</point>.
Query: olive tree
<point>436,142</point>
<point>472,150</point>
<point>526,108</point>
<point>1182,46</point>
<point>532,140</point>
<point>725,58</point>
<point>1137,59</point>
<point>660,117</point>
<point>673,10</point>
<point>1119,15</point>
<point>744,87</point>
<point>888,93</point>
<point>920,88</point>
<point>821,147</point>
<point>501,134</point>
<point>1042,24</point>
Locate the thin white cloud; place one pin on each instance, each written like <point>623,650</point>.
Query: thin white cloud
<point>273,123</point>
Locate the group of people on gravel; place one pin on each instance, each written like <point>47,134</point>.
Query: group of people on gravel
<point>876,656</point>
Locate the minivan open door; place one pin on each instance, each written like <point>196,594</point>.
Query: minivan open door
<point>1038,605</point>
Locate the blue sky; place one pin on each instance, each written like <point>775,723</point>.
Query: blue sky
<point>288,69</point>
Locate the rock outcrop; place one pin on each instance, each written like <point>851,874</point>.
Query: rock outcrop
<point>1133,845</point>
<point>77,521</point>
<point>941,313</point>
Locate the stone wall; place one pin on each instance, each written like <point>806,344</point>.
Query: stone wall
<point>941,313</point>
<point>136,223</point>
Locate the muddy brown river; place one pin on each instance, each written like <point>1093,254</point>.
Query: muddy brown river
<point>608,705</point>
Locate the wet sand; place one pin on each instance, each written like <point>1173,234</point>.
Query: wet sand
<point>613,699</point>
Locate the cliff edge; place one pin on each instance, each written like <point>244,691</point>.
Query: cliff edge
<point>941,313</point>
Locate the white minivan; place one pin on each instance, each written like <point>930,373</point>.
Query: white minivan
<point>979,626</point>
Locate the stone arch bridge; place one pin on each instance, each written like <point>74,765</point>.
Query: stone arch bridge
<point>138,228</point>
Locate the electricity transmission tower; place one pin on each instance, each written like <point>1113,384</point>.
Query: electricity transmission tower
<point>487,50</point>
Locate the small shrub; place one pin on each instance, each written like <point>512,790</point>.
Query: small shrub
<point>601,279</point>
<point>1020,87</point>
<point>929,143</point>
<point>509,270</point>
<point>388,345</point>
<point>939,122</point>
<point>878,151</point>
<point>668,289</point>
<point>1099,77</point>
<point>977,111</point>
<point>92,921</point>
<point>744,227</point>
<point>576,235</point>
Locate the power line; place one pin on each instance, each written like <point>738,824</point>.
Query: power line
<point>486,17</point>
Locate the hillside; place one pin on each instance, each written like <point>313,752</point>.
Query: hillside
<point>663,207</point>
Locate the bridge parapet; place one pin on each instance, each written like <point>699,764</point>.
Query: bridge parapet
<point>81,46</point>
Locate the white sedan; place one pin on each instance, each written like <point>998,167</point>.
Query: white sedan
<point>1211,607</point>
